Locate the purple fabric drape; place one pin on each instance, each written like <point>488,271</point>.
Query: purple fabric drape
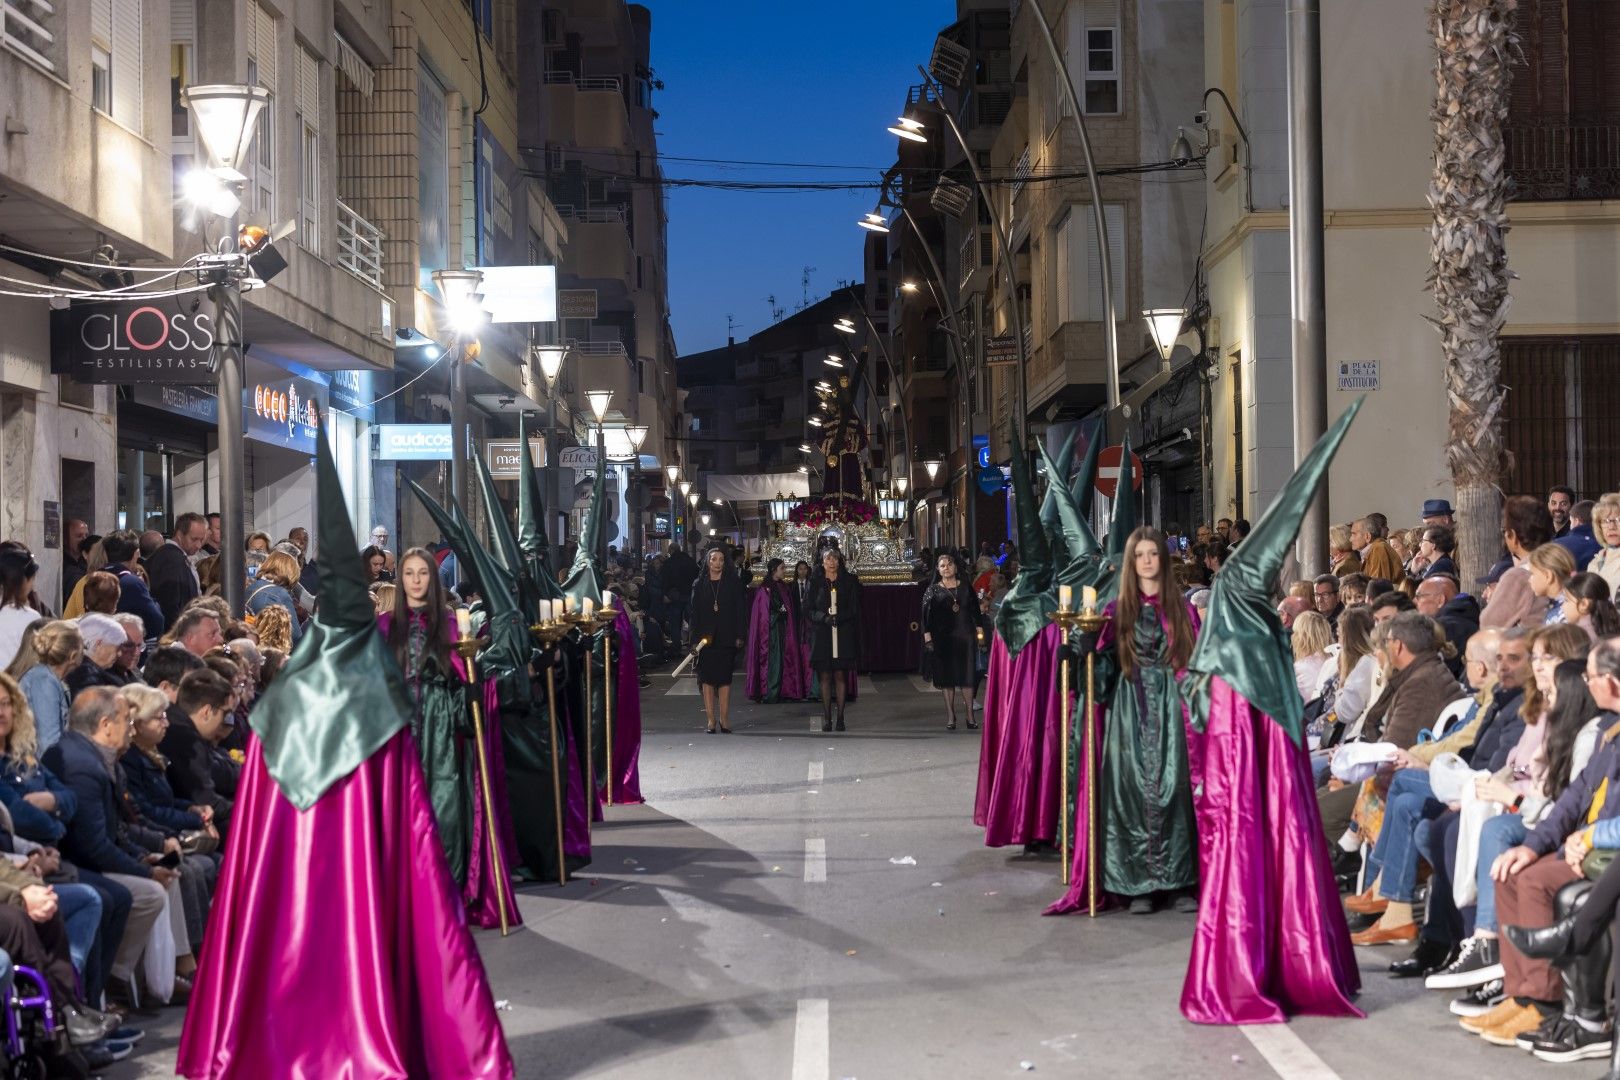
<point>626,716</point>
<point>1020,778</point>
<point>795,686</point>
<point>341,923</point>
<point>1271,939</point>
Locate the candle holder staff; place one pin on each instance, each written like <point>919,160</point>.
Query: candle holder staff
<point>467,646</point>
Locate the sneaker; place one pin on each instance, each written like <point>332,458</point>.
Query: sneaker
<point>1507,1033</point>
<point>102,1054</point>
<point>1505,1010</point>
<point>127,1034</point>
<point>1480,1000</point>
<point>1572,1041</point>
<point>1479,962</point>
<point>1551,1026</point>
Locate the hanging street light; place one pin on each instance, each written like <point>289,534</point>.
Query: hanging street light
<point>932,465</point>
<point>874,222</point>
<point>834,361</point>
<point>686,488</point>
<point>1165,325</point>
<point>637,434</point>
<point>600,401</point>
<point>672,471</point>
<point>844,325</point>
<point>900,485</point>
<point>907,128</point>
<point>551,360</point>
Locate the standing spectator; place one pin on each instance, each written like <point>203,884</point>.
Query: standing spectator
<point>1581,540</point>
<point>17,570</point>
<point>1344,558</point>
<point>379,540</point>
<point>74,561</point>
<point>211,540</point>
<point>174,579</point>
<point>309,576</point>
<point>1606,529</point>
<point>278,576</point>
<point>98,591</point>
<point>1438,512</point>
<point>1559,501</point>
<point>680,574</point>
<point>258,543</point>
<point>1526,525</point>
<point>123,553</point>
<point>1377,558</point>
<point>50,653</point>
<point>375,561</point>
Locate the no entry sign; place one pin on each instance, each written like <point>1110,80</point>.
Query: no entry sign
<point>1108,471</point>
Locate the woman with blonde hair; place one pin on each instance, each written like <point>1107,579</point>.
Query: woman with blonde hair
<point>273,627</point>
<point>39,803</point>
<point>1551,566</point>
<point>278,576</point>
<point>1343,556</point>
<point>57,649</point>
<point>1312,636</point>
<point>382,596</point>
<point>1606,528</point>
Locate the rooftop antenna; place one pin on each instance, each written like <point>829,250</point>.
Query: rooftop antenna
<point>731,326</point>
<point>777,311</point>
<point>804,287</point>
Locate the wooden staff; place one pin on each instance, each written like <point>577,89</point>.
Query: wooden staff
<point>1091,622</point>
<point>549,634</point>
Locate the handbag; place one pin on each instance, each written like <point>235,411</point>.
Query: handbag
<point>198,842</point>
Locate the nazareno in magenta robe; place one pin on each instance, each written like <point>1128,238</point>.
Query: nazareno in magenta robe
<point>336,945</point>
<point>626,780</point>
<point>1020,777</point>
<point>1271,939</point>
<point>795,681</point>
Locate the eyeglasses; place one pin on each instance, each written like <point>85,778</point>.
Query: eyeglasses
<point>1590,675</point>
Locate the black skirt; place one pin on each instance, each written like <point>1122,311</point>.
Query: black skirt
<point>716,664</point>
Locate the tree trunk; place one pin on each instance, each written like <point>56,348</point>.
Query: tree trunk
<point>1468,271</point>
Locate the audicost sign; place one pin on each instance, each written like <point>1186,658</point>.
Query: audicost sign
<point>133,341</point>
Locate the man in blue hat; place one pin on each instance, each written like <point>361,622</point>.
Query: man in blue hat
<point>1438,512</point>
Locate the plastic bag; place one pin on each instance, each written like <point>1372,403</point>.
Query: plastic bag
<point>1357,762</point>
<point>1449,775</point>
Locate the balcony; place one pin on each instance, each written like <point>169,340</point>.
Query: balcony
<point>586,110</point>
<point>977,254</point>
<point>359,246</point>
<point>1556,158</point>
<point>764,413</point>
<point>1020,175</point>
<point>598,243</point>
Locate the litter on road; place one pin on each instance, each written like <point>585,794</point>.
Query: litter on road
<point>903,860</point>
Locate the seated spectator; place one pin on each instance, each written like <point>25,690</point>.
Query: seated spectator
<point>1348,688</point>
<point>98,836</point>
<point>1435,551</point>
<point>197,630</point>
<point>382,599</point>
<point>1312,635</point>
<point>99,591</point>
<point>1606,530</point>
<point>39,803</point>
<point>274,661</point>
<point>54,649</point>
<point>1457,613</point>
<point>1289,608</point>
<point>1353,589</point>
<point>277,578</point>
<point>165,668</point>
<point>1580,541</point>
<point>102,637</point>
<point>127,666</point>
<point>273,626</point>
<point>1325,595</point>
<point>1587,603</point>
<point>1526,526</point>
<point>197,721</point>
<point>1388,604</point>
<point>1550,567</point>
<point>1343,555</point>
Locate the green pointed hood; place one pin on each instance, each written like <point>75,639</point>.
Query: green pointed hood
<point>1084,564</point>
<point>1084,485</point>
<point>317,722</point>
<point>1023,610</point>
<point>585,577</point>
<point>506,545</point>
<point>1122,525</point>
<point>1242,639</point>
<point>531,521</point>
<point>1057,476</point>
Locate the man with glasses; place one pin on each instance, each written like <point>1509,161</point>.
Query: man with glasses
<point>1325,593</point>
<point>128,661</point>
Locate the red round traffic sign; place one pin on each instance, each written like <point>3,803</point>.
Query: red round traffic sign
<point>1108,460</point>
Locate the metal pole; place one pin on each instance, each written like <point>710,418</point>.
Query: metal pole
<point>1110,325</point>
<point>1309,264</point>
<point>894,372</point>
<point>601,463</point>
<point>227,295</point>
<point>1004,249</point>
<point>459,435</point>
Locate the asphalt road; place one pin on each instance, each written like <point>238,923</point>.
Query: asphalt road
<point>816,907</point>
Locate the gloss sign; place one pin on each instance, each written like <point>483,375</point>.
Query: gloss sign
<point>133,341</point>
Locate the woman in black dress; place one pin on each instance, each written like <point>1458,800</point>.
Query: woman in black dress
<point>834,607</point>
<point>718,617</point>
<point>950,625</point>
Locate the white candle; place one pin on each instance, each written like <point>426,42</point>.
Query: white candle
<point>1065,597</point>
<point>1089,596</point>
<point>607,598</point>
<point>463,622</point>
<point>586,606</point>
<point>545,611</point>
<point>568,604</point>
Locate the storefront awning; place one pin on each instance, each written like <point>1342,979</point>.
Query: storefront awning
<point>756,487</point>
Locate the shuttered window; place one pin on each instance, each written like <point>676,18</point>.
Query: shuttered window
<point>1563,130</point>
<point>1077,288</point>
<point>115,60</point>
<point>1561,419</point>
<point>309,148</point>
<point>1091,46</point>
<point>261,50</point>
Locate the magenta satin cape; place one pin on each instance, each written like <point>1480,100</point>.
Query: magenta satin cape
<point>1020,777</point>
<point>795,683</point>
<point>1271,939</point>
<point>479,895</point>
<point>626,716</point>
<point>336,947</point>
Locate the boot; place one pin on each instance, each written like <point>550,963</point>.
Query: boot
<point>1555,942</point>
<point>826,714</point>
<point>1585,978</point>
<point>840,724</point>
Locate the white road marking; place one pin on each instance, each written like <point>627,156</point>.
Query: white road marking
<point>921,684</point>
<point>815,860</point>
<point>1286,1052</point>
<point>811,1040</point>
<point>686,684</point>
<point>817,772</point>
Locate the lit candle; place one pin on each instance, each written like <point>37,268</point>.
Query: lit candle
<point>545,611</point>
<point>1065,597</point>
<point>463,623</point>
<point>587,606</point>
<point>607,598</point>
<point>568,604</point>
<point>1089,599</point>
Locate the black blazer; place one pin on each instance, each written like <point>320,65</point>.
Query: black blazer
<point>191,764</point>
<point>173,583</point>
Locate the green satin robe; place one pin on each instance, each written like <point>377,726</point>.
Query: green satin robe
<point>1150,840</point>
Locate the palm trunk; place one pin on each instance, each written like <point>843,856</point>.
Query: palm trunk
<point>1468,271</point>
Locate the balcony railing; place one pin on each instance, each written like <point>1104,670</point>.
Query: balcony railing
<point>559,77</point>
<point>593,215</point>
<point>1020,173</point>
<point>359,246</point>
<point>1556,158</point>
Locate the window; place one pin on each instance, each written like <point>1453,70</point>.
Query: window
<point>309,150</point>
<point>261,69</point>
<point>1091,54</point>
<point>1077,284</point>
<point>101,79</point>
<point>1560,417</point>
<point>1102,71</point>
<point>116,70</point>
<point>1560,131</point>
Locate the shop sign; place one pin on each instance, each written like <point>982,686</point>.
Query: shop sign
<point>581,458</point>
<point>188,401</point>
<point>353,392</point>
<point>505,457</point>
<point>576,304</point>
<point>53,525</point>
<point>413,442</point>
<point>1001,350</point>
<point>991,479</point>
<point>132,341</point>
<point>981,450</point>
<point>283,412</point>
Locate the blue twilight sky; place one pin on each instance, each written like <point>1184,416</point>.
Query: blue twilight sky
<point>780,82</point>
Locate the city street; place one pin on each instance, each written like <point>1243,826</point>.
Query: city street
<point>750,921</point>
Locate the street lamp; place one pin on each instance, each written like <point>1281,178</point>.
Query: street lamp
<point>815,421</point>
<point>225,117</point>
<point>600,401</point>
<point>1165,326</point>
<point>551,360</point>
<point>932,466</point>
<point>900,485</point>
<point>834,361</point>
<point>637,434</point>
<point>458,292</point>
<point>686,489</point>
<point>673,472</point>
<point>874,222</point>
<point>844,325</point>
<point>907,128</point>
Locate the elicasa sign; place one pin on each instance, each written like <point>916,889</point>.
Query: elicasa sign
<point>133,341</point>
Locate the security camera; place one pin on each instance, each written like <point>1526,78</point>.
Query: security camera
<point>1201,117</point>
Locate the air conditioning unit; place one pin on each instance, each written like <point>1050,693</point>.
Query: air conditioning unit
<point>950,198</point>
<point>950,61</point>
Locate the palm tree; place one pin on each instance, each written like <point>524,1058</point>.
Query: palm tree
<point>1468,271</point>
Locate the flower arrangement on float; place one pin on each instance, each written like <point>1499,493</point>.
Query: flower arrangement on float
<point>828,511</point>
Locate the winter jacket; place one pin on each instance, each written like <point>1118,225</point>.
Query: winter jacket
<point>100,837</point>
<point>191,765</point>
<point>135,598</point>
<point>152,794</point>
<point>1513,603</point>
<point>1411,702</point>
<point>1581,544</point>
<point>28,820</point>
<point>1460,620</point>
<point>1591,797</point>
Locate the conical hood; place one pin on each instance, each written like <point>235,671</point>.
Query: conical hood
<point>1122,524</point>
<point>1084,485</point>
<point>1242,640</point>
<point>1057,476</point>
<point>317,722</point>
<point>531,521</point>
<point>1023,611</point>
<point>585,577</point>
<point>506,545</point>
<point>494,584</point>
<point>1084,564</point>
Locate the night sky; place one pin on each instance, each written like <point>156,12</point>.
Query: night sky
<point>810,83</point>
